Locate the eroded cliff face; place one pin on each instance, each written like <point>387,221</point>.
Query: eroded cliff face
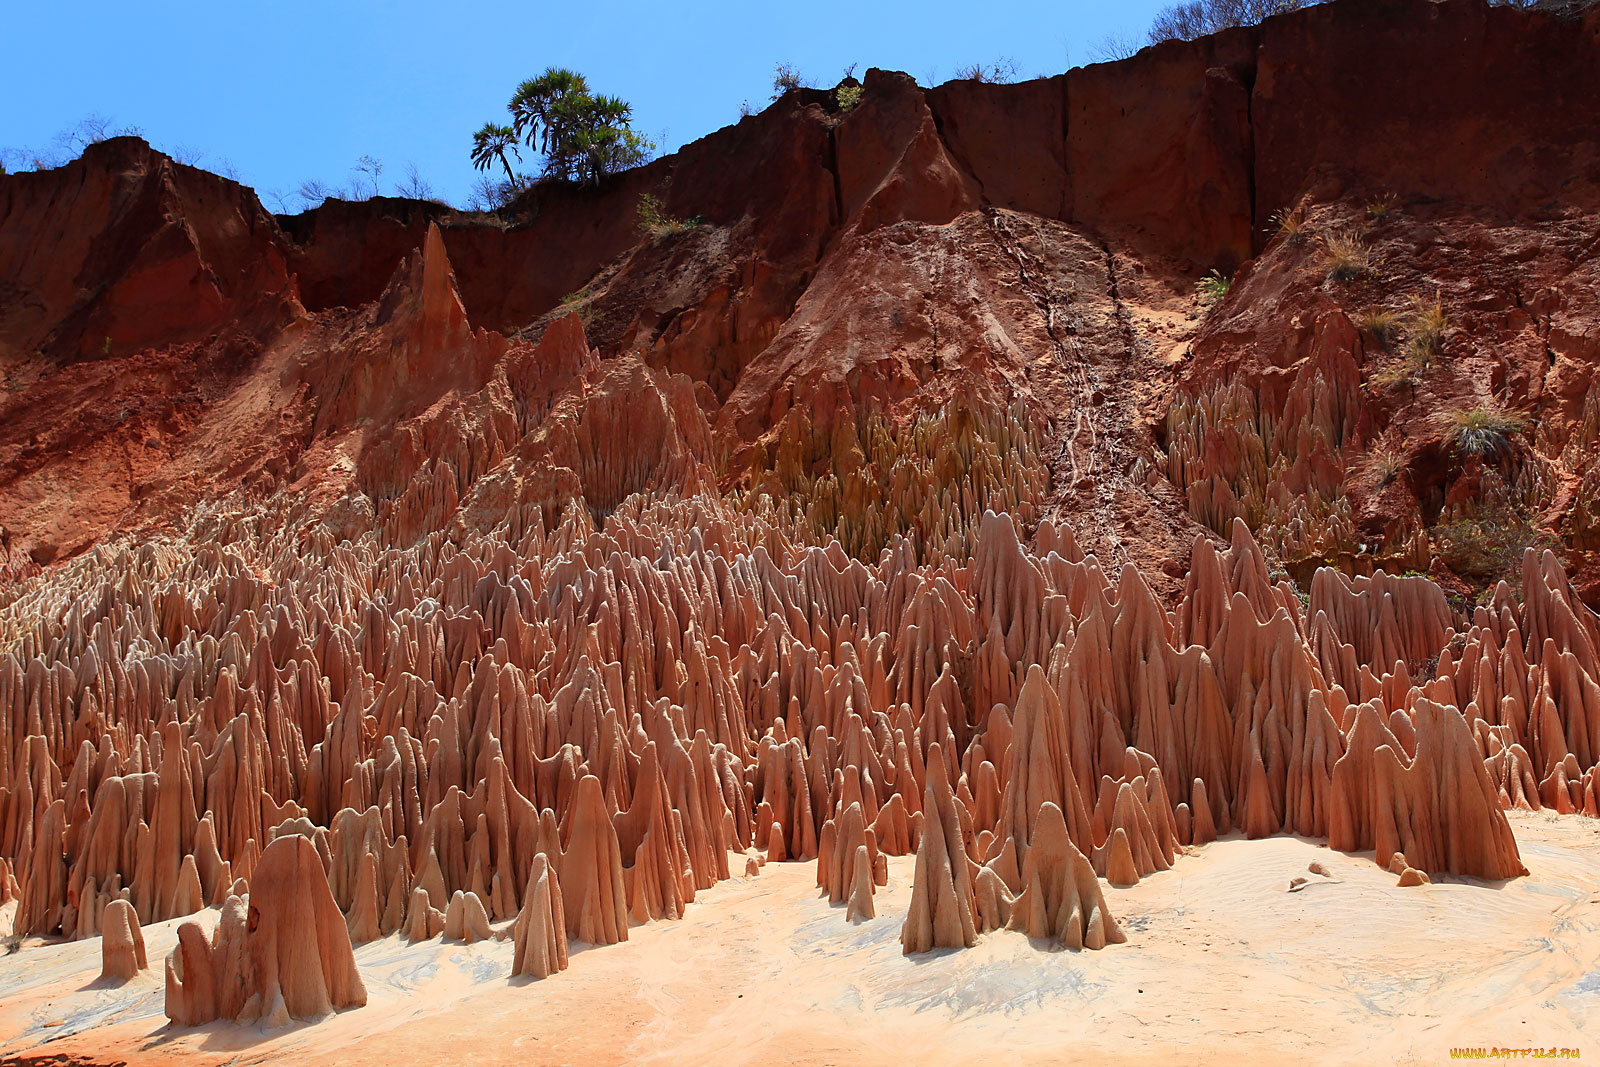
<point>910,502</point>
<point>1033,242</point>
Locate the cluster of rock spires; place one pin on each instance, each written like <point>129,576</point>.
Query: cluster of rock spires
<point>279,953</point>
<point>437,631</point>
<point>1321,414</point>
<point>569,728</point>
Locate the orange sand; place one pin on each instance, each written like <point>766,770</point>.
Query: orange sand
<point>1222,963</point>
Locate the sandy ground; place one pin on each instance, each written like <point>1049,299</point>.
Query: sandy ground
<point>1222,963</point>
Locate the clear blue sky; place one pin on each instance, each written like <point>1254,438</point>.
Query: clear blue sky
<point>294,90</point>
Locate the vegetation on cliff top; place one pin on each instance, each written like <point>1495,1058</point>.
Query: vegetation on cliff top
<point>581,135</point>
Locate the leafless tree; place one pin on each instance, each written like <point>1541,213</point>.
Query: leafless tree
<point>415,187</point>
<point>1114,46</point>
<point>1000,72</point>
<point>1196,18</point>
<point>364,184</point>
<point>313,192</point>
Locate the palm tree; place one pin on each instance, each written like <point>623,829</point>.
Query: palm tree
<point>536,104</point>
<point>612,111</point>
<point>607,142</point>
<point>582,137</point>
<point>491,143</point>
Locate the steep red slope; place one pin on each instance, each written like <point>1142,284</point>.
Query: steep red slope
<point>1032,242</point>
<point>124,250</point>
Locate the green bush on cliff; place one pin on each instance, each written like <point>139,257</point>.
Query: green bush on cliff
<point>1483,431</point>
<point>1212,288</point>
<point>786,79</point>
<point>1487,548</point>
<point>1344,256</point>
<point>655,222</point>
<point>1425,328</point>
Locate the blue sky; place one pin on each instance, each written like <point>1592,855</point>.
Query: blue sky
<point>287,91</point>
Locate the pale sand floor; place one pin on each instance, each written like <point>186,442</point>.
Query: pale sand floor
<point>1222,964</point>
